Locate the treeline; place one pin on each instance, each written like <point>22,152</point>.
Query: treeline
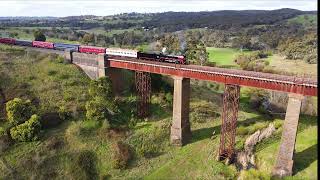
<point>174,21</point>
<point>166,22</point>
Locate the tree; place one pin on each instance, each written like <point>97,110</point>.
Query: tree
<point>171,43</point>
<point>88,38</point>
<point>102,105</point>
<point>196,52</point>
<point>241,42</point>
<point>13,34</point>
<point>202,55</point>
<point>39,36</point>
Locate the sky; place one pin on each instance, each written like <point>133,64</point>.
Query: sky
<point>62,8</point>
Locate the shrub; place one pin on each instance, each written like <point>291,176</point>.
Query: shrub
<point>28,131</point>
<point>202,112</point>
<point>121,155</point>
<point>18,111</point>
<point>101,88</point>
<point>100,109</point>
<point>102,105</point>
<point>277,123</point>
<point>64,114</point>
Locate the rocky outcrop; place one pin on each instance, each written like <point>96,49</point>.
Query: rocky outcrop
<point>245,159</point>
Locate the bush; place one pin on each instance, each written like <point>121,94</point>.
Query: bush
<point>277,123</point>
<point>18,111</point>
<point>202,112</point>
<point>102,105</point>
<point>100,109</point>
<point>64,114</point>
<point>28,131</point>
<point>121,155</point>
<point>101,88</point>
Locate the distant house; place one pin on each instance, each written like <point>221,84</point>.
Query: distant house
<point>145,28</point>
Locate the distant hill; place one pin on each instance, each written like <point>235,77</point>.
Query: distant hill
<point>167,21</point>
<point>216,19</point>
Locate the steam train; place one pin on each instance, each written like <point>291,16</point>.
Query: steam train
<point>128,53</point>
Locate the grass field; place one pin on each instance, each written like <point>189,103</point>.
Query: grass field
<point>298,67</point>
<point>56,154</point>
<point>223,57</point>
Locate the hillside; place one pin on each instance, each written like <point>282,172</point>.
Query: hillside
<point>172,21</point>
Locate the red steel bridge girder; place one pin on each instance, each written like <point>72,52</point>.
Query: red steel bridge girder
<point>252,79</point>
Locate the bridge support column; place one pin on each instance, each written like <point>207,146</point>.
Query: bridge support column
<point>116,78</point>
<point>284,163</point>
<point>229,121</point>
<point>143,87</point>
<point>180,129</point>
<point>102,65</point>
<point>68,55</point>
<point>114,74</point>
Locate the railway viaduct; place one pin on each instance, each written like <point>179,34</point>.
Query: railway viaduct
<point>96,66</point>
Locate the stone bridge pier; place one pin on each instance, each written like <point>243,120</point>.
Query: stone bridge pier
<point>284,162</point>
<point>180,129</point>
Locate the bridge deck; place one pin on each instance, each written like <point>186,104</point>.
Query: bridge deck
<point>305,86</point>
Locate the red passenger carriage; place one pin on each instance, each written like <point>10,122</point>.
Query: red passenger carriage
<point>91,49</point>
<point>41,44</point>
<point>7,40</point>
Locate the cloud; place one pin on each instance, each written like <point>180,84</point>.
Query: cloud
<point>95,7</point>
